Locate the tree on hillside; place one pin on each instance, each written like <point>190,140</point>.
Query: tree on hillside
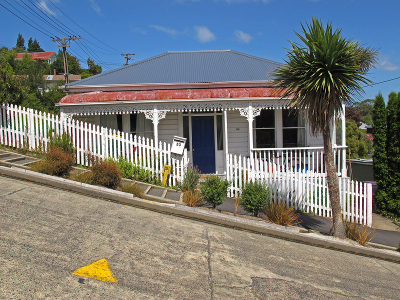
<point>73,64</point>
<point>11,89</point>
<point>353,114</point>
<point>33,46</point>
<point>355,140</point>
<point>20,45</point>
<point>93,68</point>
<point>365,107</point>
<point>380,154</point>
<point>320,76</point>
<point>393,151</point>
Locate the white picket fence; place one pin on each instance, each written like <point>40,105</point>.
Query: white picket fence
<point>22,127</point>
<point>305,189</point>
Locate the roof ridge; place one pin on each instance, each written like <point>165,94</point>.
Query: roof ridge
<point>199,51</point>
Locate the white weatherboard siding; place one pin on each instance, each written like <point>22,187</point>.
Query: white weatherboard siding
<point>168,128</point>
<point>238,133</point>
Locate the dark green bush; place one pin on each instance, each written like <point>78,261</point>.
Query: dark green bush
<point>56,162</point>
<point>255,196</point>
<point>214,190</point>
<point>190,179</point>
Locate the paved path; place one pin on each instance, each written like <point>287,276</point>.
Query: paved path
<point>46,233</point>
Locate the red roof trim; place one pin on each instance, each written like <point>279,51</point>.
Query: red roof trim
<point>35,55</point>
<point>171,94</point>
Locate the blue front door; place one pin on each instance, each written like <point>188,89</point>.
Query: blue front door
<point>203,145</point>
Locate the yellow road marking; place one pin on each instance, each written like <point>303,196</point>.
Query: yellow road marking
<point>99,270</point>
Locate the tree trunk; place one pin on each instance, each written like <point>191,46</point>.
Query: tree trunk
<point>333,186</point>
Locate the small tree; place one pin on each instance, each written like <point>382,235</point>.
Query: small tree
<point>214,190</point>
<point>380,155</point>
<point>33,46</point>
<point>255,196</point>
<point>20,45</point>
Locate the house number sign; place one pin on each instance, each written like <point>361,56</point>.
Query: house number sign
<point>178,144</point>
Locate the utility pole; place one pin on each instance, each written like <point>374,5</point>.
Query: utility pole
<point>127,57</point>
<point>64,46</point>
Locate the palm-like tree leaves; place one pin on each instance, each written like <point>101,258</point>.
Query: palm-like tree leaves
<point>321,75</point>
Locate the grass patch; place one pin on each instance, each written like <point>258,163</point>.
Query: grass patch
<point>134,189</point>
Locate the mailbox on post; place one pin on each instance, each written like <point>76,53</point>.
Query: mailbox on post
<point>178,144</point>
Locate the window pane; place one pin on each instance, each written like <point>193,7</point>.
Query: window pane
<point>109,121</point>
<point>264,138</point>
<point>220,136</point>
<point>289,138</point>
<point>141,126</point>
<point>289,118</point>
<point>294,137</point>
<point>266,119</point>
<point>133,122</point>
<point>119,122</point>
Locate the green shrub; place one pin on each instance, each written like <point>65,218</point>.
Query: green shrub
<point>62,141</point>
<point>280,214</point>
<point>255,196</point>
<point>190,179</point>
<point>56,162</point>
<point>126,167</point>
<point>214,190</point>
<point>133,189</point>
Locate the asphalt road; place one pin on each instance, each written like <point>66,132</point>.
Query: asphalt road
<point>46,234</point>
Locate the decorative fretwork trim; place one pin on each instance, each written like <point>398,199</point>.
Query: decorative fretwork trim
<point>148,109</point>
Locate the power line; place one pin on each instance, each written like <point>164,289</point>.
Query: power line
<point>375,83</point>
<point>40,17</point>
<point>82,27</point>
<point>26,21</point>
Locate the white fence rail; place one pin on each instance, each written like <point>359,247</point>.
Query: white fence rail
<point>22,127</point>
<point>302,188</point>
<point>299,159</point>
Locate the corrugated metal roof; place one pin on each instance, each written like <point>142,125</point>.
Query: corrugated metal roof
<point>188,67</point>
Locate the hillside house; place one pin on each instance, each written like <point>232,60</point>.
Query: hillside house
<point>222,102</point>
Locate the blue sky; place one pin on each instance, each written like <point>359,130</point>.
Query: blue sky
<point>150,27</point>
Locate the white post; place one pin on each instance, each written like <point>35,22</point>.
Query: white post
<point>344,166</point>
<point>225,131</point>
<point>155,124</point>
<point>250,120</point>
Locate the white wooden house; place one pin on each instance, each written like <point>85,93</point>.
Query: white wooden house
<point>223,102</point>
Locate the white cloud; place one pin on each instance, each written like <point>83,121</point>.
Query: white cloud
<point>167,30</point>
<point>203,34</point>
<point>96,7</point>
<point>43,6</point>
<point>385,64</point>
<point>243,37</point>
<point>137,30</point>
